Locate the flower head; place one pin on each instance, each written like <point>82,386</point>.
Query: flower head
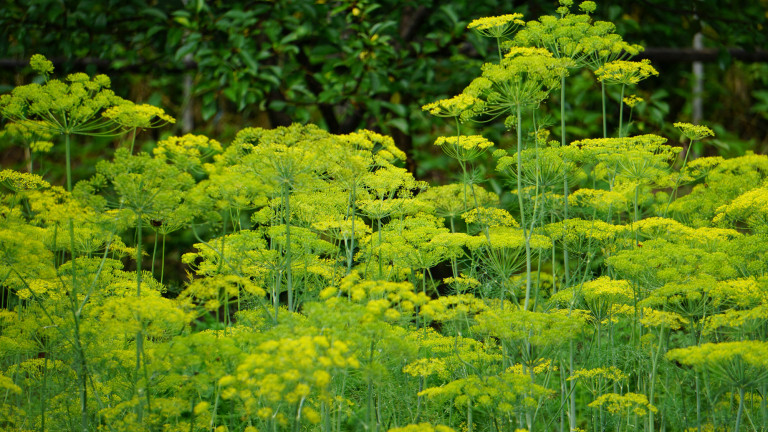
<point>144,116</point>
<point>497,26</point>
<point>694,132</point>
<point>625,72</point>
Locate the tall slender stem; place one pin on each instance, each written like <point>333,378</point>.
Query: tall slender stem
<point>741,409</point>
<point>677,180</point>
<point>162,261</point>
<point>82,370</point>
<point>288,257</point>
<point>566,263</point>
<point>621,112</point>
<point>605,119</point>
<point>522,211</point>
<point>139,333</point>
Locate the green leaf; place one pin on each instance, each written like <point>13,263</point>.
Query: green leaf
<point>249,61</point>
<point>399,123</point>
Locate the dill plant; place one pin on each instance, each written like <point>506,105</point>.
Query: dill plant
<point>316,263</point>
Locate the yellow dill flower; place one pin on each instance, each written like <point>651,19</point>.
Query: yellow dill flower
<point>188,151</point>
<point>580,234</point>
<point>463,148</point>
<point>524,77</point>
<point>41,146</point>
<point>462,283</point>
<point>750,207</point>
<point>537,328</point>
<point>610,373</point>
<point>694,132</point>
<point>452,307</point>
<point>72,106</point>
<point>497,26</point>
<point>448,200</point>
<point>737,321</point>
<point>422,427</point>
<point>506,238</point>
<point>739,293</point>
<point>382,145</point>
<point>542,365</point>
<point>662,319</point>
<point>740,364</point>
<point>502,394</point>
<point>462,106</point>
<point>425,367</point>
<point>608,290</point>
<point>625,72</point>
<point>490,217</point>
<point>18,181</point>
<point>622,404</point>
<point>598,199</point>
<point>41,65</point>
<point>130,115</point>
<point>527,52</point>
<point>632,100</point>
<point>8,385</point>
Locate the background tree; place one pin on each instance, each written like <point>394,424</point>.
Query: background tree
<point>360,63</point>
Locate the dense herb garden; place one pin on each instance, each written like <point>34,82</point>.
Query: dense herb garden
<point>615,284</point>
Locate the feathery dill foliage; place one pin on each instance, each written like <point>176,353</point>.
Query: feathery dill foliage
<point>596,284</point>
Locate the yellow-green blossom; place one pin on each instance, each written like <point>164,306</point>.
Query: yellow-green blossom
<point>633,100</point>
<point>422,427</point>
<point>662,319</point>
<point>143,116</point>
<point>622,404</point>
<point>461,106</point>
<point>490,217</point>
<point>497,26</point>
<point>41,65</point>
<point>625,72</point>
<point>694,132</point>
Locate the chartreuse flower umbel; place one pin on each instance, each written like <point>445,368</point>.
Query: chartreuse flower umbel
<point>740,365</point>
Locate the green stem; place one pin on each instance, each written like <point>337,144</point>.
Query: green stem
<point>154,255</point>
<point>652,381</point>
<point>43,392</point>
<point>288,257</point>
<point>139,333</point>
<point>351,248</point>
<point>381,269</point>
<point>621,112</point>
<point>133,139</point>
<point>82,371</point>
<point>469,415</point>
<point>605,119</point>
<point>566,263</point>
<point>138,253</point>
<point>572,401</point>
<point>634,203</point>
<point>372,426</point>
<point>698,403</point>
<point>740,411</point>
<point>522,212</point>
<point>162,261</point>
<point>677,180</point>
